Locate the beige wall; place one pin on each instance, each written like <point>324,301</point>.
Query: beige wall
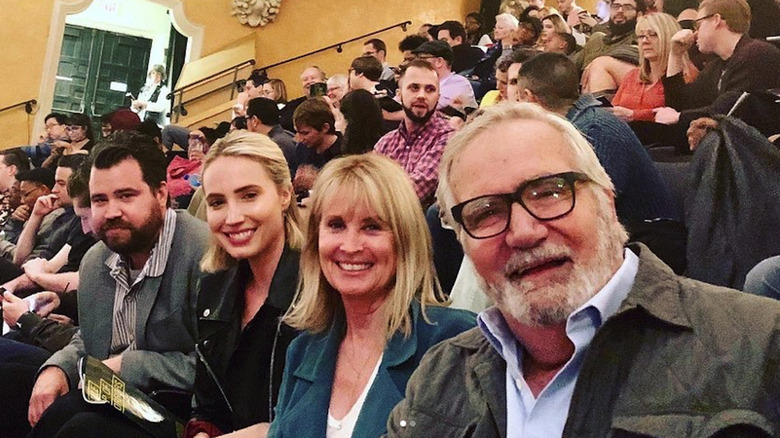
<point>306,25</point>
<point>23,38</point>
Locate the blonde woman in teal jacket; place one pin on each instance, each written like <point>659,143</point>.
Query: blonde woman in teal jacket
<point>368,303</point>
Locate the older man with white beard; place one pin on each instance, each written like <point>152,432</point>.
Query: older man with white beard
<point>588,338</point>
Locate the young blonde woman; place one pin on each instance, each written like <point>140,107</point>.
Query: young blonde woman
<point>275,90</point>
<point>367,304</point>
<point>551,25</point>
<point>252,274</point>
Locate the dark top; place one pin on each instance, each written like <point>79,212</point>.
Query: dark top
<point>305,155</point>
<point>246,364</point>
<point>678,358</point>
<point>764,19</point>
<point>50,334</point>
<point>87,147</point>
<point>311,365</point>
<point>732,204</point>
<point>753,66</point>
<point>284,139</point>
<point>12,230</point>
<point>67,229</point>
<point>641,192</point>
<point>486,67</point>
<point>466,57</point>
<point>286,113</point>
<point>384,94</point>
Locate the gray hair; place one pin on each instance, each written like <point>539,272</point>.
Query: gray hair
<point>338,80</point>
<point>509,19</point>
<point>495,115</point>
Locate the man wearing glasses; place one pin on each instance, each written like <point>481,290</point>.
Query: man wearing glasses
<point>587,338</point>
<point>742,64</point>
<point>55,130</point>
<point>33,184</point>
<point>620,40</point>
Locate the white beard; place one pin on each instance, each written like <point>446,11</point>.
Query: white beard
<point>553,301</point>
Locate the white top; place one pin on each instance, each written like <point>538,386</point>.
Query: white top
<point>467,292</point>
<point>160,105</point>
<point>343,428</point>
<point>485,41</point>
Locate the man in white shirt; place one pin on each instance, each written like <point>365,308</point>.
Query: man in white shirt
<point>455,90</point>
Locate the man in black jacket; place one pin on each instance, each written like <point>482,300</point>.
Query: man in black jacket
<point>742,63</point>
<point>465,55</point>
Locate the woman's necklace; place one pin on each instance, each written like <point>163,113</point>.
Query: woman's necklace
<point>358,358</point>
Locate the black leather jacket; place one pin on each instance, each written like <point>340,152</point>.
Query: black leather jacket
<point>220,307</point>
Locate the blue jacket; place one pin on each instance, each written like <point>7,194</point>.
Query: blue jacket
<point>641,192</point>
<point>302,409</point>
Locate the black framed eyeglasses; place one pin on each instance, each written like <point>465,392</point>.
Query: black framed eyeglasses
<point>625,6</point>
<point>697,22</point>
<point>546,198</point>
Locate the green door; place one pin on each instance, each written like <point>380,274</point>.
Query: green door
<point>97,68</point>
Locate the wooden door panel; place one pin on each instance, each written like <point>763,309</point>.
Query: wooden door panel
<point>73,69</point>
<point>90,61</point>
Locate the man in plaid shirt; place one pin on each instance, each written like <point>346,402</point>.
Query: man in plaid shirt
<point>419,141</point>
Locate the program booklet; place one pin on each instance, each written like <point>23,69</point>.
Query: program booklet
<point>99,385</point>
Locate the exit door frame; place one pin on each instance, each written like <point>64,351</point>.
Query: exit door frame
<point>63,8</point>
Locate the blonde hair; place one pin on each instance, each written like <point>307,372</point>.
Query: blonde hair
<point>559,24</point>
<point>280,89</point>
<point>547,11</point>
<point>380,184</point>
<point>261,149</point>
<point>506,112</point>
<point>513,7</point>
<point>665,26</point>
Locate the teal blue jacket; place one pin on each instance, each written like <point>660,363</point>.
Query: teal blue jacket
<point>302,410</point>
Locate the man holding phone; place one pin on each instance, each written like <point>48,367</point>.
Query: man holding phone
<point>311,75</point>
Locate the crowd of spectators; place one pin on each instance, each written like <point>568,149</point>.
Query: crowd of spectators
<point>529,229</point>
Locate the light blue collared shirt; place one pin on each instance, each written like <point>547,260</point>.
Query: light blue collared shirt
<point>545,416</point>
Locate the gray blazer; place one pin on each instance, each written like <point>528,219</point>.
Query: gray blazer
<point>165,322</point>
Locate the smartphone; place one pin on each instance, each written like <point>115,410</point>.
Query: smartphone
<point>604,101</point>
<point>318,89</point>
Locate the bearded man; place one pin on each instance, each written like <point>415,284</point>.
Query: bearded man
<point>419,141</point>
<point>587,338</point>
<point>137,293</point>
<point>620,40</point>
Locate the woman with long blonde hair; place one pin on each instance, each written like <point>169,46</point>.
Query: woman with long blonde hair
<point>642,89</point>
<point>551,25</point>
<point>367,305</point>
<point>252,275</point>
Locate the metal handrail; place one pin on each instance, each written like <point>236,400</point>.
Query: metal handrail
<point>27,105</point>
<point>338,46</point>
<point>209,78</point>
<point>181,110</point>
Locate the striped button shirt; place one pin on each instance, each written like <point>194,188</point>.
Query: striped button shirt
<point>126,292</point>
